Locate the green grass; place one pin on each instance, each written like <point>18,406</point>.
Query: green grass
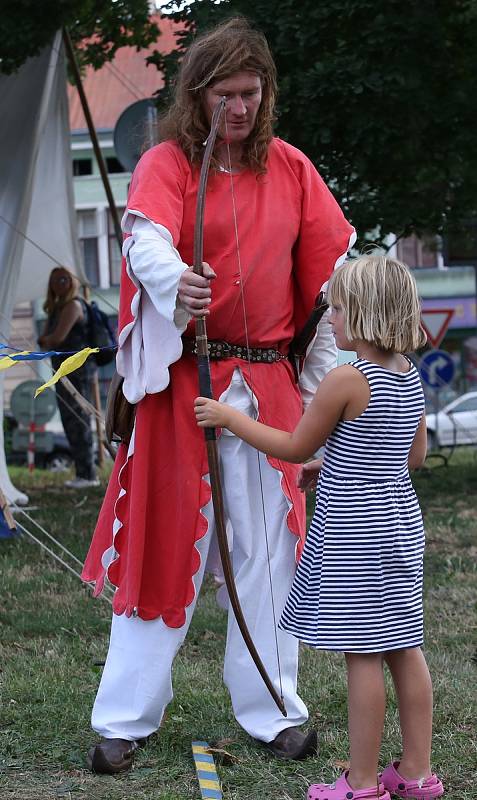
<point>52,633</point>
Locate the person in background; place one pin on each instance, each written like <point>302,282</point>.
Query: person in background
<point>156,532</point>
<point>66,329</point>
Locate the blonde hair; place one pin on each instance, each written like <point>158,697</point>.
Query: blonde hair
<point>53,301</point>
<point>380,301</point>
<point>220,53</point>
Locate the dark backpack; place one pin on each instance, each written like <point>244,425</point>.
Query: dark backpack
<point>100,334</point>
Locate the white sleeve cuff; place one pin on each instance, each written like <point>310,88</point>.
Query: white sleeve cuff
<point>320,359</point>
<point>156,265</point>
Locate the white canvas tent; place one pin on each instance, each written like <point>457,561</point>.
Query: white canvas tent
<point>36,192</point>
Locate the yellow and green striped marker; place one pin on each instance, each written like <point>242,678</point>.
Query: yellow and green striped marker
<point>206,772</point>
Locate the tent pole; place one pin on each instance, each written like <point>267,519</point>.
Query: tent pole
<point>112,206</point>
<point>94,138</point>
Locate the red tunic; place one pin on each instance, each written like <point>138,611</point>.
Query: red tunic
<point>291,233</point>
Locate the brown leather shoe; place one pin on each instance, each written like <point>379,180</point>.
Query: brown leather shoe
<point>294,744</point>
<point>111,756</point>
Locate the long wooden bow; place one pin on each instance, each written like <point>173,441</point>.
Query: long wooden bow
<point>205,387</point>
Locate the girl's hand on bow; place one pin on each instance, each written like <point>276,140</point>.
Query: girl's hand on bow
<point>308,475</point>
<point>194,292</point>
<point>210,413</point>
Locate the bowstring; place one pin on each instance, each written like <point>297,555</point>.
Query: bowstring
<point>254,397</point>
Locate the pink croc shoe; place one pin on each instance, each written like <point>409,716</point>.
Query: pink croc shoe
<point>341,790</point>
<point>411,790</point>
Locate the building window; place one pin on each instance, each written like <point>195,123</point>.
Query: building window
<point>114,251</point>
<point>88,240</point>
<point>113,165</point>
<point>82,166</point>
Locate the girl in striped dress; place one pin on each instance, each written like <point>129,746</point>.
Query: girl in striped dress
<point>358,586</point>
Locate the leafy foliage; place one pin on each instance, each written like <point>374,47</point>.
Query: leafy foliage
<point>98,27</point>
<point>381,96</point>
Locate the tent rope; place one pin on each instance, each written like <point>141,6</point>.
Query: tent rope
<point>61,560</point>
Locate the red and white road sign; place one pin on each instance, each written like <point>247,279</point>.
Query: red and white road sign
<point>435,322</point>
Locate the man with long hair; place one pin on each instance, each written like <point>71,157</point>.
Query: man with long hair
<point>273,233</point>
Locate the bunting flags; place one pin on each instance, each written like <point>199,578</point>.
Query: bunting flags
<point>69,365</point>
<point>9,361</point>
<point>75,360</point>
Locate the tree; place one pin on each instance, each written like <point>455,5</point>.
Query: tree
<point>382,96</point>
<point>97,27</point>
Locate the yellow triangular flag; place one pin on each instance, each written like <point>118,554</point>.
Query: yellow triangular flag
<point>69,365</point>
<point>6,362</point>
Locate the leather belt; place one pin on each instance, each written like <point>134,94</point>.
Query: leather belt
<point>220,350</point>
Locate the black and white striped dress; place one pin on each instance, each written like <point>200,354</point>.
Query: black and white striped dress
<point>358,586</point>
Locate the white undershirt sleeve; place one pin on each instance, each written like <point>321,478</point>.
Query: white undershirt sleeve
<point>152,341</point>
<point>320,359</point>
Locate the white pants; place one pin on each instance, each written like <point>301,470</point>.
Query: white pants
<point>136,685</point>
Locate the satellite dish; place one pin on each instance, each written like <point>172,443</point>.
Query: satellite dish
<point>25,408</point>
<point>135,132</point>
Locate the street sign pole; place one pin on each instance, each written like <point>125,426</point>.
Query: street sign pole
<point>436,412</point>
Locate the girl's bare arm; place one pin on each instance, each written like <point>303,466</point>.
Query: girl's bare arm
<point>315,426</point>
<point>418,451</point>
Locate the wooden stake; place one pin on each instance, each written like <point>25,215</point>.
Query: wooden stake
<point>96,400</point>
<point>6,512</point>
